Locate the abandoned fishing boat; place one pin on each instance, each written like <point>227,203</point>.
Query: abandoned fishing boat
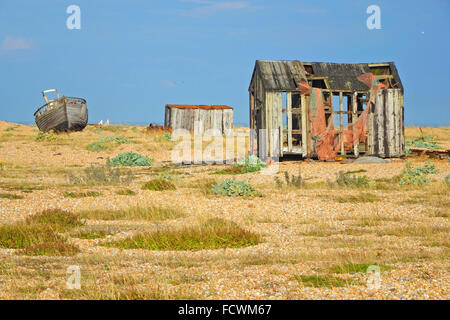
<point>61,114</point>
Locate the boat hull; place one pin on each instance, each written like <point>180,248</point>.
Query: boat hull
<point>64,114</point>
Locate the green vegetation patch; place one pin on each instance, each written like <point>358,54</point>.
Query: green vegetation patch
<point>10,196</point>
<point>235,188</point>
<point>107,142</point>
<point>249,164</point>
<point>324,281</point>
<point>212,234</point>
<point>86,194</point>
<point>130,159</point>
<point>423,141</point>
<point>93,234</point>
<point>125,192</point>
<point>49,136</point>
<point>359,267</point>
<point>418,175</point>
<point>360,198</point>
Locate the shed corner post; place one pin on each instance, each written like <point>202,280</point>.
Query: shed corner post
<point>354,118</point>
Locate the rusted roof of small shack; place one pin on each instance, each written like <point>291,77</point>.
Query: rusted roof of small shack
<point>203,107</point>
<point>284,75</point>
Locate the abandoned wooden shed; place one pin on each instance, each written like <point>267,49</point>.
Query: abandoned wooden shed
<point>200,118</point>
<point>323,110</point>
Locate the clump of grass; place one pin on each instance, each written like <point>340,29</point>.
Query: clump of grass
<point>346,179</point>
<point>56,248</point>
<point>46,136</point>
<point>107,142</point>
<point>10,196</point>
<point>57,219</point>
<point>89,235</point>
<point>292,181</point>
<point>358,267</point>
<point>87,194</point>
<point>159,185</point>
<point>321,281</point>
<point>37,235</point>
<point>13,128</point>
<point>212,234</point>
<point>360,198</point>
<point>130,159</point>
<point>101,175</point>
<point>136,213</point>
<point>418,175</point>
<point>125,192</point>
<point>166,137</point>
<point>205,185</point>
<point>19,236</point>
<point>235,188</point>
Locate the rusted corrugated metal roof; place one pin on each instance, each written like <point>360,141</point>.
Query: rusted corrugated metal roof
<point>203,107</point>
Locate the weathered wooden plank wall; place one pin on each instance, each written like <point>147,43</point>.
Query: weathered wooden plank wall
<point>186,118</point>
<point>386,127</point>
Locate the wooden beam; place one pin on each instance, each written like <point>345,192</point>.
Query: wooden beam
<point>289,119</point>
<point>341,121</point>
<point>354,118</point>
<point>304,128</point>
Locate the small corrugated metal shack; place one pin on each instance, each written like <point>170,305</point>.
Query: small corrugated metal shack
<point>323,110</point>
<point>199,118</point>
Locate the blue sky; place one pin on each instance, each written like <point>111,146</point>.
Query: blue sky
<point>132,57</point>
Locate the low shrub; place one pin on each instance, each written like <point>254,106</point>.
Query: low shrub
<point>130,159</point>
<point>234,188</point>
<point>447,179</point>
